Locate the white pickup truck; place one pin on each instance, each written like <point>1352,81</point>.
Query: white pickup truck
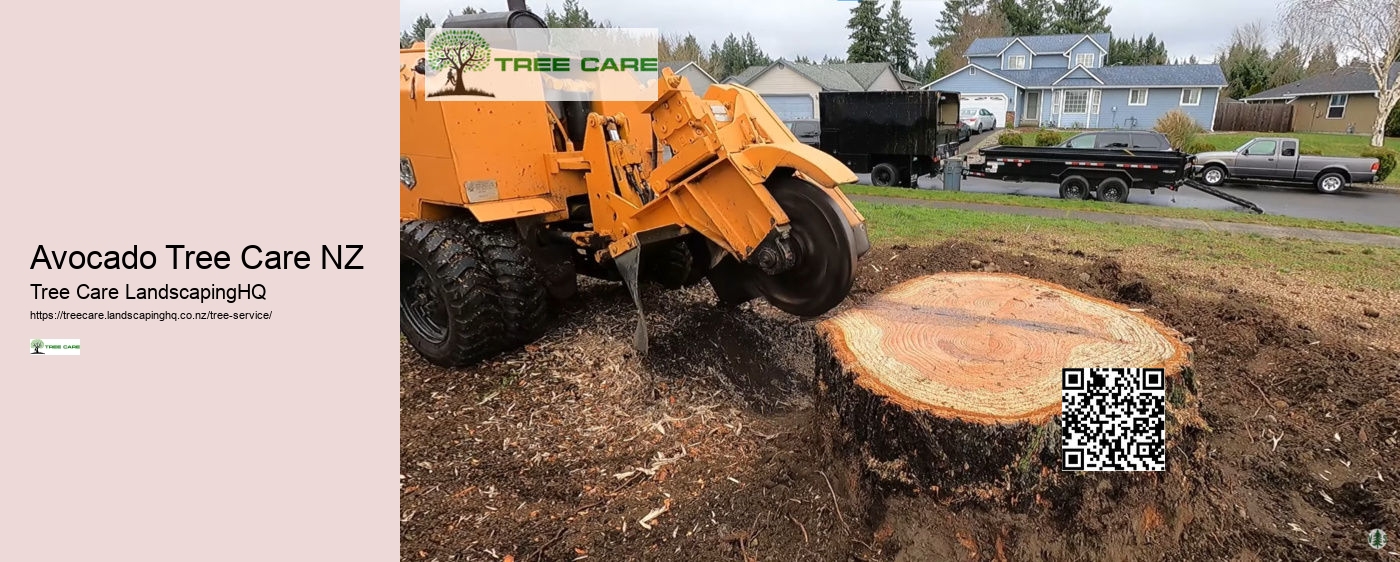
<point>1277,159</point>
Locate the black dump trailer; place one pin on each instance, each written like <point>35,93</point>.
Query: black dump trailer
<point>893,136</point>
<point>1103,173</point>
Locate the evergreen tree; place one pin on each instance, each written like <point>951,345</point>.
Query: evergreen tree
<point>574,15</point>
<point>421,27</point>
<point>1080,16</point>
<point>828,59</point>
<point>753,55</point>
<point>950,20</point>
<point>899,39</point>
<point>1324,60</point>
<point>1246,62</point>
<point>867,42</point>
<point>1026,17</point>
<point>1286,66</point>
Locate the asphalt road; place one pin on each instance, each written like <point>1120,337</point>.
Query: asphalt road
<point>1365,207</point>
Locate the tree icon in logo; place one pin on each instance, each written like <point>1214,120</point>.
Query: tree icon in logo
<point>1376,538</point>
<point>36,344</point>
<point>457,51</point>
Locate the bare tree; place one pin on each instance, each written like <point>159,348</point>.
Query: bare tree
<point>1368,30</point>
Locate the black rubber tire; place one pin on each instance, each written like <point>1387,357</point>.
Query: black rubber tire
<point>822,238</point>
<point>884,175</point>
<point>1112,190</point>
<point>732,282</point>
<point>1074,188</point>
<point>1327,180</point>
<point>439,269</point>
<point>672,265</point>
<point>518,286</point>
<point>1205,173</point>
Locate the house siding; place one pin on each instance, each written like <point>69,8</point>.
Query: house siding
<point>991,61</point>
<point>980,82</point>
<point>887,82</point>
<point>783,80</point>
<point>1361,113</point>
<point>1055,60</point>
<point>1114,111</point>
<point>1084,47</point>
<point>698,81</point>
<point>1016,49</point>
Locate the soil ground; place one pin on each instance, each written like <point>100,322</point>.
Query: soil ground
<point>561,450</point>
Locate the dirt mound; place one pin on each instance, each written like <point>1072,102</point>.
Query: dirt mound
<point>566,448</point>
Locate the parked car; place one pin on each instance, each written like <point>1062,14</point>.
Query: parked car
<point>809,131</point>
<point>1277,159</point>
<point>1132,140</point>
<point>964,131</point>
<point>978,119</point>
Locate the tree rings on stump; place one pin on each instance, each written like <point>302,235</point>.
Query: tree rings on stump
<point>952,382</point>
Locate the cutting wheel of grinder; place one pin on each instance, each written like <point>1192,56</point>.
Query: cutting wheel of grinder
<point>820,237</point>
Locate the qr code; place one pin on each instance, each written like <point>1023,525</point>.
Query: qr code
<point>1113,419</point>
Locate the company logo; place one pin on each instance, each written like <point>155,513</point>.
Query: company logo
<point>1376,538</point>
<point>456,51</point>
<point>53,347</point>
<point>530,64</point>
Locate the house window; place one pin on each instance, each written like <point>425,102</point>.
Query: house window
<point>1336,106</point>
<point>1076,101</point>
<point>1191,96</point>
<point>1137,96</point>
<point>1085,60</point>
<point>1094,102</point>
<point>1017,62</point>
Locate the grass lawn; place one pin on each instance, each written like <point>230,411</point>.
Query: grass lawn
<point>1099,206</point>
<point>1346,265</point>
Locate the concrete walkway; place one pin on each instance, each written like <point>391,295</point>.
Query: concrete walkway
<point>1382,240</point>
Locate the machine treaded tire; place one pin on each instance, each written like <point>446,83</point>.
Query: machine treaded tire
<point>1074,188</point>
<point>884,175</point>
<point>465,325</point>
<point>673,265</point>
<point>518,285</point>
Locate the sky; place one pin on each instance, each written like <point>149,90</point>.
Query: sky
<point>789,28</point>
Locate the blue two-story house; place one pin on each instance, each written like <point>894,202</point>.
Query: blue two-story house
<point>1068,81</point>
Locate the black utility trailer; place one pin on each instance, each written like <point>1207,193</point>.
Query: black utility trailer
<point>1084,173</point>
<point>893,136</point>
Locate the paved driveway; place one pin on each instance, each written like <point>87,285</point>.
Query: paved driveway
<point>1352,206</point>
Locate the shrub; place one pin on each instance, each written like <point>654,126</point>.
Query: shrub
<point>1179,128</point>
<point>1048,138</point>
<point>1392,123</point>
<point>1387,157</point>
<point>1310,151</point>
<point>1198,146</point>
<point>1010,138</point>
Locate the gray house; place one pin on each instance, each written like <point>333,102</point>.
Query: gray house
<point>699,79</point>
<point>1067,81</point>
<point>792,88</point>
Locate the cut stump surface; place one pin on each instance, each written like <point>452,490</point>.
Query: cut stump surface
<point>956,378</point>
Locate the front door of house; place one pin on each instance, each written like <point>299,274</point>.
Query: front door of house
<point>1074,109</point>
<point>1032,107</point>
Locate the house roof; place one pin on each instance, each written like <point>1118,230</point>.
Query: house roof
<point>1350,79</point>
<point>843,77</point>
<point>678,65</point>
<point>1205,75</point>
<point>1038,44</point>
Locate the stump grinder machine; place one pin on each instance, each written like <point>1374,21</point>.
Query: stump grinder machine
<point>503,204</point>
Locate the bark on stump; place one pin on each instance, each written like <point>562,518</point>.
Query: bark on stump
<point>951,383</point>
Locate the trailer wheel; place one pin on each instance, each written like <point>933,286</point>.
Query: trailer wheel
<point>519,287</point>
<point>446,309</point>
<point>884,175</point>
<point>1113,190</point>
<point>1074,188</point>
<point>1330,182</point>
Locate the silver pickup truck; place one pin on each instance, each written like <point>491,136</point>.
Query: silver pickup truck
<point>1277,159</point>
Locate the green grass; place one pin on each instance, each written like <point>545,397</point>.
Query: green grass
<point>1118,208</point>
<point>1343,264</point>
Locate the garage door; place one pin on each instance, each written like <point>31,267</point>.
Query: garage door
<point>790,107</point>
<point>995,103</point>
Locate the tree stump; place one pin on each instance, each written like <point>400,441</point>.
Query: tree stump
<point>952,382</point>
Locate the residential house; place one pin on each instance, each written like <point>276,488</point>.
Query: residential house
<point>792,88</point>
<point>1068,81</point>
<point>699,79</point>
<point>1340,101</point>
